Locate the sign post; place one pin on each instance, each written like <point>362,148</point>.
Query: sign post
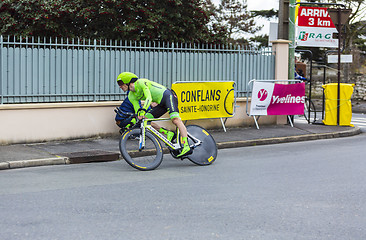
<point>291,37</point>
<point>318,25</point>
<point>340,17</point>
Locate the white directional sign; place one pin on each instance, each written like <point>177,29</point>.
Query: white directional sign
<point>344,58</point>
<point>315,28</point>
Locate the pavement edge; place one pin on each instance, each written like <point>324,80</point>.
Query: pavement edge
<point>298,138</point>
<point>34,163</point>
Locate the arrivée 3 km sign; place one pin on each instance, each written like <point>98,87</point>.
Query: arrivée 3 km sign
<point>315,28</point>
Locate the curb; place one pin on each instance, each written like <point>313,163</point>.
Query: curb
<point>34,163</point>
<point>91,156</point>
<point>299,138</point>
<point>247,143</point>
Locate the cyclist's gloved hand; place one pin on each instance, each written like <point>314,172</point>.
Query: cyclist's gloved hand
<point>141,112</point>
<point>132,122</point>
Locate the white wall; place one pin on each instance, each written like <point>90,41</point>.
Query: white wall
<point>25,123</point>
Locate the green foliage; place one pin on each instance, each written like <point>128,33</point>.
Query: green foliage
<point>358,34</point>
<point>154,20</point>
<point>268,14</point>
<point>236,18</point>
<point>260,40</point>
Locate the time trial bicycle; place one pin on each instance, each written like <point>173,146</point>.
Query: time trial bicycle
<point>141,147</point>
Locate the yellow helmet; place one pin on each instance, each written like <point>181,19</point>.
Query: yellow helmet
<point>127,77</point>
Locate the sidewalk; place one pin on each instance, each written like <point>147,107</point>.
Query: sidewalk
<point>106,149</point>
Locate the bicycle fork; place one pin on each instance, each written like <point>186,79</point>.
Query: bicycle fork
<point>142,136</point>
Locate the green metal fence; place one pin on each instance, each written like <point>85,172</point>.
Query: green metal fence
<point>38,70</point>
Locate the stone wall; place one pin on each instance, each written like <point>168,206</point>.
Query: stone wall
<point>360,87</point>
<point>359,80</point>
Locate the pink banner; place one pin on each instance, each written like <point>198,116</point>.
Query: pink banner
<point>287,99</point>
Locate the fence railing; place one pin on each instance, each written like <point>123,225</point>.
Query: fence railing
<point>38,70</point>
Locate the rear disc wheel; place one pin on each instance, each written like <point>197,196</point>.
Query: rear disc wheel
<point>206,152</point>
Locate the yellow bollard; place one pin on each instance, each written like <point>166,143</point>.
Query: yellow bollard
<point>345,106</point>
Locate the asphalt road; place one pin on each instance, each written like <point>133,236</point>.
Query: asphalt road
<point>359,119</point>
<point>304,190</point>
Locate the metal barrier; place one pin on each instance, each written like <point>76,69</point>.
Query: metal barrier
<point>38,70</point>
<point>256,117</point>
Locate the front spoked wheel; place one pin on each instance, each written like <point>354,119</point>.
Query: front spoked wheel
<point>206,152</point>
<point>148,158</point>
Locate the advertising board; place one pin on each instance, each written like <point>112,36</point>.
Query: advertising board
<point>200,100</point>
<point>315,28</point>
<point>270,98</point>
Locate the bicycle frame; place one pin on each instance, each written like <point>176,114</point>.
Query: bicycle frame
<point>175,146</point>
<point>144,125</point>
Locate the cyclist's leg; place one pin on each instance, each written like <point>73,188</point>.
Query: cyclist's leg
<point>171,102</point>
<point>177,121</point>
<point>157,112</point>
<point>186,150</point>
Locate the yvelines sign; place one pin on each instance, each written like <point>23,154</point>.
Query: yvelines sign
<point>270,98</point>
<point>315,28</point>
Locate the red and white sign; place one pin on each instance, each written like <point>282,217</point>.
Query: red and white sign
<point>314,17</point>
<point>315,28</point>
<point>277,99</point>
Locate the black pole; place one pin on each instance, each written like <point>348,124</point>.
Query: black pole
<point>339,63</point>
<point>324,76</point>
<point>310,86</point>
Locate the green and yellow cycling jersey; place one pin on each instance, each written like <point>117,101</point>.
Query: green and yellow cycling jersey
<point>146,90</point>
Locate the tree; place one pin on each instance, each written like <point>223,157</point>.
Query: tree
<point>216,28</point>
<point>360,35</point>
<point>269,14</point>
<point>237,19</point>
<point>262,40</point>
<point>154,20</point>
<point>356,26</point>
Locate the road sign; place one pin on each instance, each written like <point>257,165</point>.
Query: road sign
<point>315,28</point>
<point>344,16</point>
<point>344,58</point>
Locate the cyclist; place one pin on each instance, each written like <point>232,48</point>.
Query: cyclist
<point>300,77</point>
<point>144,89</point>
<point>125,121</point>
